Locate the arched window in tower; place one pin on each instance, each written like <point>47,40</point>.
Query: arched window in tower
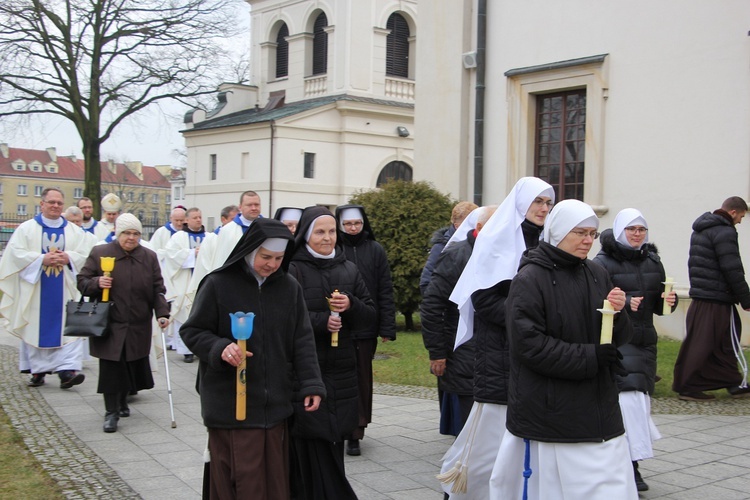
<point>320,45</point>
<point>397,47</point>
<point>282,52</point>
<point>394,171</point>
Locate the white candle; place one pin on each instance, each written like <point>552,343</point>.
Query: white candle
<point>608,316</point>
<point>667,290</point>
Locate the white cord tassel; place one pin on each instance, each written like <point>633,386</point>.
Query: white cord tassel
<point>459,473</point>
<point>738,350</point>
<point>451,475</point>
<point>206,453</point>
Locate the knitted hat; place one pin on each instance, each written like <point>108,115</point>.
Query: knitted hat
<point>127,222</point>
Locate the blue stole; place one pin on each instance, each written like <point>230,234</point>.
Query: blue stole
<point>216,231</point>
<point>169,227</point>
<point>196,238</point>
<point>91,229</point>
<point>110,237</point>
<point>239,222</point>
<point>52,287</point>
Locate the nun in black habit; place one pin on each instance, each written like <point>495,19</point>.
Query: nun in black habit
<point>249,458</point>
<point>322,269</point>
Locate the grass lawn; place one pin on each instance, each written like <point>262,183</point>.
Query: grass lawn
<point>21,476</point>
<point>407,363</point>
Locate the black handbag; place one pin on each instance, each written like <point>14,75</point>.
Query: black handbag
<point>86,319</point>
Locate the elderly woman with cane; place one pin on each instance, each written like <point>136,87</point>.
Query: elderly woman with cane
<point>136,289</point>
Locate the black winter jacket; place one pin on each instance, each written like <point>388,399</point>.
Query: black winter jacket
<point>557,393</point>
<point>370,258</point>
<point>282,340</point>
<point>491,363</point>
<point>440,320</point>
<point>715,267</point>
<point>639,273</point>
<point>337,415</point>
<point>437,243</point>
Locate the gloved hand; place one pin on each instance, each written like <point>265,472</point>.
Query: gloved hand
<point>608,355</point>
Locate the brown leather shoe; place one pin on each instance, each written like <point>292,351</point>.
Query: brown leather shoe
<point>696,396</point>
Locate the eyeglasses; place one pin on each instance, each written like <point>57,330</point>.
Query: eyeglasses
<point>353,224</point>
<point>540,201</point>
<point>582,234</point>
<point>131,234</point>
<point>636,230</point>
<point>59,203</point>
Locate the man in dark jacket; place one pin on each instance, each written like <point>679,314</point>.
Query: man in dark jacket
<point>707,359</point>
<point>454,369</point>
<point>440,238</point>
<point>358,240</point>
<point>280,351</point>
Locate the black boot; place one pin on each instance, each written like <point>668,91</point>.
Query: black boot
<point>640,484</point>
<point>124,408</point>
<point>111,405</point>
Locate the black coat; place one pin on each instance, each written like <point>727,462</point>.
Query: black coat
<point>557,393</point>
<point>639,273</point>
<point>491,358</point>
<point>371,260</point>
<point>715,267</point>
<point>338,414</point>
<point>437,243</point>
<point>282,340</point>
<point>439,318</point>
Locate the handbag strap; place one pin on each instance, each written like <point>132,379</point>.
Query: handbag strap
<point>81,302</point>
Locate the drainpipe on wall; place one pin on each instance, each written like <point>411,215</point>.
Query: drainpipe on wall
<point>272,123</point>
<point>479,106</point>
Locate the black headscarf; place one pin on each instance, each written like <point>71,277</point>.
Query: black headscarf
<point>309,215</point>
<point>260,230</point>
<point>366,228</point>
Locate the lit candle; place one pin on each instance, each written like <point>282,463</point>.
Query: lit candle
<point>668,284</point>
<point>108,265</point>
<point>242,329</point>
<point>608,316</point>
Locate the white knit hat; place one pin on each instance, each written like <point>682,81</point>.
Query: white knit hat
<point>127,222</point>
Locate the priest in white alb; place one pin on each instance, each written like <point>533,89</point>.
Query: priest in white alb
<point>37,278</point>
<point>179,261</point>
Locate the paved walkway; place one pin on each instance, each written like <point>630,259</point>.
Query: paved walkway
<point>702,456</point>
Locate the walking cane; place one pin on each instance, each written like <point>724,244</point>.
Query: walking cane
<point>166,372</point>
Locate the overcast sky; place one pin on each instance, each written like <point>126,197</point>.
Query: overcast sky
<point>151,137</point>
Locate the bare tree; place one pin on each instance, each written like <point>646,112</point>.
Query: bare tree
<point>97,62</point>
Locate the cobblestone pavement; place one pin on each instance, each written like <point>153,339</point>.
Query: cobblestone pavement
<point>79,471</point>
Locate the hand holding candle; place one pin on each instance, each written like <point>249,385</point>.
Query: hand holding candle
<point>242,329</point>
<point>612,305</point>
<point>333,306</point>
<point>668,284</point>
<point>107,265</point>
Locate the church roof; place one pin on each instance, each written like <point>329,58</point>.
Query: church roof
<point>258,115</point>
